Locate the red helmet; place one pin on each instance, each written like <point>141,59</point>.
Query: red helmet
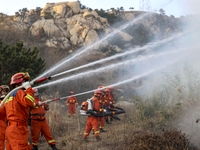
<point>98,92</point>
<point>107,90</point>
<point>19,77</point>
<point>71,92</point>
<point>103,88</point>
<point>111,88</point>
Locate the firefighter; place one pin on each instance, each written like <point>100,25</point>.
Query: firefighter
<point>92,121</point>
<point>16,109</point>
<point>107,99</point>
<point>4,89</point>
<point>101,120</point>
<point>39,123</point>
<point>111,99</point>
<point>72,103</point>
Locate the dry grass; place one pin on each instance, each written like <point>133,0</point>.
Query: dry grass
<point>131,133</point>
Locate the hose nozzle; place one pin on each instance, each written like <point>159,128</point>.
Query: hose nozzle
<point>41,80</point>
<point>55,99</point>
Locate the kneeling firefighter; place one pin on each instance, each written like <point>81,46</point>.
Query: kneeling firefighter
<point>92,105</point>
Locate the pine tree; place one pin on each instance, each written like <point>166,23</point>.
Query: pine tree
<point>14,59</point>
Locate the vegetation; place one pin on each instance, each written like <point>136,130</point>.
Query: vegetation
<point>111,17</point>
<point>47,15</point>
<point>17,58</point>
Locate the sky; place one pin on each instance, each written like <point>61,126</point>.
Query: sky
<point>176,8</point>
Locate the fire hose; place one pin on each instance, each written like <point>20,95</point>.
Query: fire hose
<point>109,112</point>
<point>20,87</point>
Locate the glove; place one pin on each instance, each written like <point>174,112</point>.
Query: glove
<point>104,110</point>
<point>38,103</point>
<point>26,85</point>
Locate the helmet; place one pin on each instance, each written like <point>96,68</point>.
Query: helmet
<point>19,77</point>
<point>111,88</point>
<point>2,87</point>
<point>35,90</point>
<point>71,92</point>
<point>98,92</point>
<point>107,90</point>
<point>103,88</point>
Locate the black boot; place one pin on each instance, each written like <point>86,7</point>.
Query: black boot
<point>108,122</point>
<point>35,148</point>
<point>54,147</point>
<point>102,130</point>
<point>85,139</point>
<point>98,138</point>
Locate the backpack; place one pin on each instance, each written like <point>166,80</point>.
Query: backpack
<point>85,106</point>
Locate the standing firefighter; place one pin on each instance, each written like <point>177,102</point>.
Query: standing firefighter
<point>92,121</point>
<point>16,108</point>
<point>39,123</point>
<point>4,89</point>
<point>111,99</point>
<point>71,102</point>
<point>102,99</point>
<point>107,99</point>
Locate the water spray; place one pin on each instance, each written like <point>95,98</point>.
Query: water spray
<point>150,45</point>
<point>109,67</point>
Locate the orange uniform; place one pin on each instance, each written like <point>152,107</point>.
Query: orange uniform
<point>92,121</point>
<point>4,89</point>
<point>107,100</point>
<point>101,120</point>
<point>2,132</point>
<point>71,102</point>
<point>39,124</point>
<point>16,108</point>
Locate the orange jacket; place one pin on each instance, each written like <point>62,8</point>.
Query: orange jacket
<point>2,112</point>
<point>111,97</point>
<point>107,100</point>
<point>71,100</point>
<point>3,116</point>
<point>96,105</point>
<point>17,106</point>
<point>38,112</point>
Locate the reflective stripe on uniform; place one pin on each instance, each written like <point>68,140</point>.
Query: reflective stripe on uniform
<point>30,97</point>
<point>9,99</point>
<point>96,132</point>
<point>85,133</point>
<point>34,143</point>
<point>51,141</point>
